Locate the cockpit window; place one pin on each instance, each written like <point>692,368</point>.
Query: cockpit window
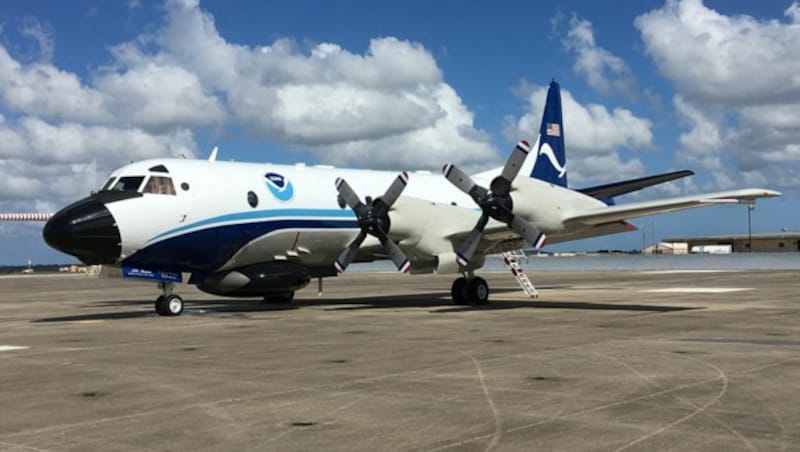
<point>159,169</point>
<point>130,183</point>
<point>160,185</point>
<point>108,184</point>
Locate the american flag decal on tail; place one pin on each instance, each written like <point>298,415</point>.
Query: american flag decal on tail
<point>553,129</point>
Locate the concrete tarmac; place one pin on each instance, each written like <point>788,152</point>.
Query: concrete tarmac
<point>603,361</point>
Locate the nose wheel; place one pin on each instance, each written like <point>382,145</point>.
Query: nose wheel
<point>168,304</point>
<point>470,291</point>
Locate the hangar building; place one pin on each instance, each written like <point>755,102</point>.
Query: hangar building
<point>740,243</point>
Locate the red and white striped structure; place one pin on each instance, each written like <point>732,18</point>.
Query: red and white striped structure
<point>30,216</point>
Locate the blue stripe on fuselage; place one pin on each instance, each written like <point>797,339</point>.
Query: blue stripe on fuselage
<point>260,215</point>
<point>206,250</point>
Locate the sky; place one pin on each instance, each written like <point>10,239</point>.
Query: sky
<point>647,87</point>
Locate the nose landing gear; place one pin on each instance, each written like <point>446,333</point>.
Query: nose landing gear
<point>168,304</point>
<point>470,290</point>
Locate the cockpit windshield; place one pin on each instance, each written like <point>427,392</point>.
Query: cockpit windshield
<point>159,185</point>
<point>128,183</point>
<point>108,184</point>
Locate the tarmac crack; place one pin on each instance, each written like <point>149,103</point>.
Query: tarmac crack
<point>679,398</point>
<point>498,422</point>
<point>613,404</point>
<point>22,446</point>
<point>721,376</point>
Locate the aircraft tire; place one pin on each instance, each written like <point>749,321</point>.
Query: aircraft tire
<point>172,305</point>
<point>477,291</point>
<point>459,291</point>
<point>159,305</point>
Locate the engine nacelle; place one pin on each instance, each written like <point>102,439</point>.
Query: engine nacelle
<point>257,280</point>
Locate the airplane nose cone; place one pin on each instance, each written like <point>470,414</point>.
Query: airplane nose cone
<point>86,230</point>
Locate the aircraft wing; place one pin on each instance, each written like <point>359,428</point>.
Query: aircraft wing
<point>608,214</point>
<point>621,188</point>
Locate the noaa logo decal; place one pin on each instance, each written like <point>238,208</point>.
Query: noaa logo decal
<point>547,151</point>
<point>280,187</point>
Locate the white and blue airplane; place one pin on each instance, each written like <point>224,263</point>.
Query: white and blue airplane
<point>263,230</point>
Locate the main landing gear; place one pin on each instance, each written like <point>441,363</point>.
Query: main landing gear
<point>169,303</point>
<point>470,290</point>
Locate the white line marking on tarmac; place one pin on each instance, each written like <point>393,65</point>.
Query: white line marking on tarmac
<point>698,290</point>
<point>11,348</point>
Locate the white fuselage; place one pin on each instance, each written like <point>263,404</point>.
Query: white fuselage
<point>209,224</point>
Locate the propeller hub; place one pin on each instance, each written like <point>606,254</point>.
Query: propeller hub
<point>500,186</point>
<point>498,207</point>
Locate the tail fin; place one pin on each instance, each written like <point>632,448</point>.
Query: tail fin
<point>551,160</point>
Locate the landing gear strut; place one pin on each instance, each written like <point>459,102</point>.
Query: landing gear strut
<point>169,303</point>
<point>470,290</point>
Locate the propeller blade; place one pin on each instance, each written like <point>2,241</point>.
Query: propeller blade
<point>468,247</point>
<point>514,162</point>
<point>349,253</point>
<point>371,221</point>
<point>394,190</point>
<point>529,233</point>
<point>400,260</point>
<point>459,178</point>
<point>350,197</point>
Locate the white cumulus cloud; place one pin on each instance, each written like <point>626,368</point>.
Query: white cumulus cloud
<point>738,88</point>
<point>603,70</point>
<point>61,132</point>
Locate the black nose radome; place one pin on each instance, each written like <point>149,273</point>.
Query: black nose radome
<point>85,230</point>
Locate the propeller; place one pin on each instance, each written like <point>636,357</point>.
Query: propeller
<point>494,202</point>
<point>373,219</point>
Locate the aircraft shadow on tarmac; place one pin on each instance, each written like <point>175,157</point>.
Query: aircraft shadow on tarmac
<point>438,302</point>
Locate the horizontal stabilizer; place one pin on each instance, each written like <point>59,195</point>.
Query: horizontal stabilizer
<point>617,213</point>
<point>628,186</point>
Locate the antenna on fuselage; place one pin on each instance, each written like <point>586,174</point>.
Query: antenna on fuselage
<point>213,156</point>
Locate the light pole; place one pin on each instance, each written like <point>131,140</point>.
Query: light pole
<point>655,242</point>
<point>750,208</point>
<point>644,241</point>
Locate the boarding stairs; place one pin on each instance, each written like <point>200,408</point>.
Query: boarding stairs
<point>512,259</point>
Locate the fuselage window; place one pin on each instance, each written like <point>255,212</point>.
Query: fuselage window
<point>108,184</point>
<point>159,185</point>
<point>130,183</point>
<point>252,199</point>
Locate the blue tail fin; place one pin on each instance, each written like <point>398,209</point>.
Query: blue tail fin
<point>551,160</point>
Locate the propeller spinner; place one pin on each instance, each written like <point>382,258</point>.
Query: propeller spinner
<point>495,203</point>
<point>373,219</point>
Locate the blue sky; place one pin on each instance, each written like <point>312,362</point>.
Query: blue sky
<point>648,86</point>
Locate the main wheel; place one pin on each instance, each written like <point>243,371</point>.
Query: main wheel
<point>172,305</point>
<point>286,297</point>
<point>478,291</point>
<point>459,291</point>
<point>159,305</point>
